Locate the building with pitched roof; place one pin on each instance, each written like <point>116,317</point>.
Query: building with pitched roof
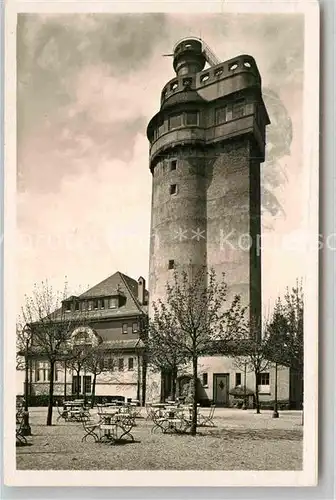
<point>112,317</point>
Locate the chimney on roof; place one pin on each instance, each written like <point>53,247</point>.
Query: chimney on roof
<point>141,290</point>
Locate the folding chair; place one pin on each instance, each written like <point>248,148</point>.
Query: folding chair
<point>90,427</point>
<point>62,413</point>
<point>20,438</point>
<point>206,420</point>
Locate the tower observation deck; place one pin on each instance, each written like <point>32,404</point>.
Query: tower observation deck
<point>207,142</point>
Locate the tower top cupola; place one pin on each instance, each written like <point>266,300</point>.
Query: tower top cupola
<point>188,56</point>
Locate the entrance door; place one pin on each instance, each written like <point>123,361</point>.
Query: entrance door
<point>221,389</point>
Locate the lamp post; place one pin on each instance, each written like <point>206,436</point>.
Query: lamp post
<point>275,409</point>
<point>26,429</point>
<point>244,404</point>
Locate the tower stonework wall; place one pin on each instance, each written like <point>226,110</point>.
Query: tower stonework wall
<point>233,220</point>
<point>178,218</point>
<point>206,145</point>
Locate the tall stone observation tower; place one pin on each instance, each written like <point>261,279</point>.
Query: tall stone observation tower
<point>206,145</point>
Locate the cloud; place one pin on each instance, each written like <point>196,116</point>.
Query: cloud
<point>85,227</point>
<point>87,86</point>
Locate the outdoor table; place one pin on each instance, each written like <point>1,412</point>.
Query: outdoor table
<point>72,404</point>
<point>170,419</point>
<point>78,414</point>
<point>115,426</point>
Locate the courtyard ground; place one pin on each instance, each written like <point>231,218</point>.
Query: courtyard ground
<point>241,440</point>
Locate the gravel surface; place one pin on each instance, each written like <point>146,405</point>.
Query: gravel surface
<point>241,440</point>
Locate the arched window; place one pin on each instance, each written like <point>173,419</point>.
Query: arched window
<point>84,336</point>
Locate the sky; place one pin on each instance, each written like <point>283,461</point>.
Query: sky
<point>87,86</point>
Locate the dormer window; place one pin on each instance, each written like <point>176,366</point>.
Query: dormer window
<point>67,306</point>
<point>125,328</point>
<point>113,303</point>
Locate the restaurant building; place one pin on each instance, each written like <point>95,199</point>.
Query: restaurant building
<point>113,314</point>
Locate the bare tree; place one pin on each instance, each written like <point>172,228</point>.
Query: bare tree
<point>77,361</point>
<point>21,344</point>
<point>251,354</point>
<point>195,308</point>
<point>94,363</point>
<point>51,326</point>
<point>285,332</point>
<point>162,346</point>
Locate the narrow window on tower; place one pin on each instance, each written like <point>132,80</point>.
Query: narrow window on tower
<point>171,264</point>
<point>173,164</point>
<point>173,189</point>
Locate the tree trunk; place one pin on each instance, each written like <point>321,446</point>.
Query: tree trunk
<point>65,380</point>
<point>174,378</point>
<point>51,393</point>
<point>78,379</point>
<point>84,388</point>
<point>162,392</point>
<point>194,398</point>
<point>257,404</point>
<point>144,376</point>
<point>93,394</point>
<point>138,377</point>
